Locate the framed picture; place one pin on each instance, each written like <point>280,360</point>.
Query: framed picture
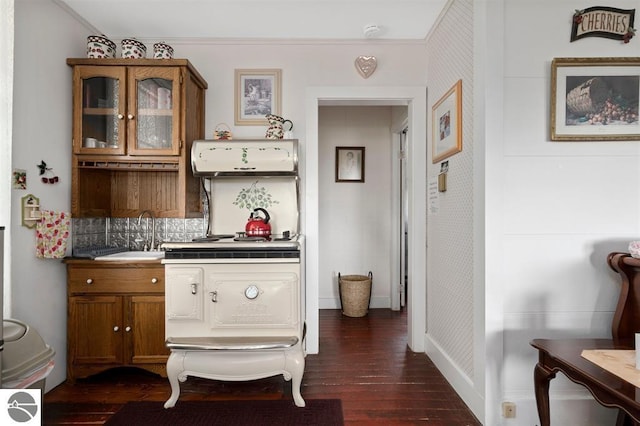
<point>257,95</point>
<point>595,99</point>
<point>349,164</point>
<point>447,124</point>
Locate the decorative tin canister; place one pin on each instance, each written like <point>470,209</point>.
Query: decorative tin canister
<point>133,49</point>
<point>98,46</point>
<point>162,51</point>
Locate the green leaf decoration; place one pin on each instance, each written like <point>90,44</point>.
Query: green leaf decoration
<point>254,197</point>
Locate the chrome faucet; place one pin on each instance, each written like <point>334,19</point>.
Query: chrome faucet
<point>153,230</point>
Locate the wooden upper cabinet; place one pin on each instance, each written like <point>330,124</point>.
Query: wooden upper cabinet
<point>153,117</point>
<point>127,110</point>
<point>134,122</point>
<point>99,102</point>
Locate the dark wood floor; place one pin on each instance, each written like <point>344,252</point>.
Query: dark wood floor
<point>364,362</point>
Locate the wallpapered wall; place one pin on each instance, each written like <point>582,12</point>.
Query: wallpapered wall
<point>450,231</point>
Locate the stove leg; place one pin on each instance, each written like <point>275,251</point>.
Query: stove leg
<point>295,367</point>
<point>295,389</point>
<point>175,366</point>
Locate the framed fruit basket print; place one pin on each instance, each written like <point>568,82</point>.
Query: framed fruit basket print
<point>595,99</point>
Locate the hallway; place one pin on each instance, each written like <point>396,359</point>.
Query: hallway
<point>366,363</point>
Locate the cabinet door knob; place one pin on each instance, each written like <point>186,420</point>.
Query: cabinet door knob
<point>214,296</point>
<point>194,288</point>
<point>127,329</point>
<point>89,281</point>
<point>116,328</point>
<point>154,280</point>
<point>120,116</point>
<point>130,116</point>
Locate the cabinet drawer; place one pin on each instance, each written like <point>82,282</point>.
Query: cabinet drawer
<point>115,280</point>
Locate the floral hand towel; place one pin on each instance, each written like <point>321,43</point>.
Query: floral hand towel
<point>52,232</point>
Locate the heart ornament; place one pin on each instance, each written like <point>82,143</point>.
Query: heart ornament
<point>366,65</point>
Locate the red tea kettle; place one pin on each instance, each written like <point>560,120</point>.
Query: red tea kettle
<point>257,226</point>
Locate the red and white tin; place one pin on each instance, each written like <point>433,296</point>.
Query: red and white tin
<point>133,49</point>
<point>98,46</point>
<point>162,51</point>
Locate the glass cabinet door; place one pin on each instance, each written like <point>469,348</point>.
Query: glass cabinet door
<point>154,96</point>
<point>101,111</point>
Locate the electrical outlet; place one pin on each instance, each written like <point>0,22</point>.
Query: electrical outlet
<point>508,410</point>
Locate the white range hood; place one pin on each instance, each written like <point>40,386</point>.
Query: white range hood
<point>241,175</point>
<point>221,158</point>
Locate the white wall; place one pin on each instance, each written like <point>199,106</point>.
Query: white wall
<point>453,337</point>
<point>544,215</point>
<point>44,37</point>
<point>562,213</point>
<point>355,218</point>
<point>303,65</point>
<point>488,248</point>
<point>6,115</point>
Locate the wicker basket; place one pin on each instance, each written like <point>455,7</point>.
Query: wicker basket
<point>588,97</point>
<point>355,294</point>
<point>222,132</point>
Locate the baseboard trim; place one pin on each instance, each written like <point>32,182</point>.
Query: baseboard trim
<point>459,380</point>
<point>377,302</point>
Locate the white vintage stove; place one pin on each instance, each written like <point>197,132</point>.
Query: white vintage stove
<point>235,305</point>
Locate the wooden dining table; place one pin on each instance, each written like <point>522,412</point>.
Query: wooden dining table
<point>565,355</point>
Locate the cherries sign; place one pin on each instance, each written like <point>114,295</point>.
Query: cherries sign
<point>46,173</point>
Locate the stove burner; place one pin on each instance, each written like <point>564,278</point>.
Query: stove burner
<point>222,236</point>
<point>213,237</point>
<point>286,236</point>
<point>243,238</point>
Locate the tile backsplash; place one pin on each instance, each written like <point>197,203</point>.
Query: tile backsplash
<point>126,232</point>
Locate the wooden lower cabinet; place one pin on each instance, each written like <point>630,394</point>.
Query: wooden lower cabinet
<point>115,317</point>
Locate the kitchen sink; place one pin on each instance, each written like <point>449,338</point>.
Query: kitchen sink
<point>133,255</point>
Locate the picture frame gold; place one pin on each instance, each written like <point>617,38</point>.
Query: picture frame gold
<point>595,99</point>
<point>350,164</point>
<point>257,94</point>
<point>447,124</point>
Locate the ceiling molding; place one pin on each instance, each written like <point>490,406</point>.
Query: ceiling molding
<point>271,21</point>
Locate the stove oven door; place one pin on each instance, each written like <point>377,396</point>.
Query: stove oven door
<point>184,294</point>
<point>253,300</point>
<point>233,300</point>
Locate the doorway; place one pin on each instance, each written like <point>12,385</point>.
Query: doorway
<point>400,223</point>
<point>403,222</point>
<point>357,218</point>
<point>415,100</point>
